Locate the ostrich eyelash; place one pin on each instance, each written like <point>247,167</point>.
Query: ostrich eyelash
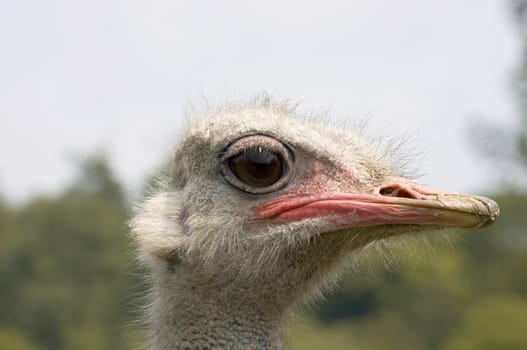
<point>254,144</point>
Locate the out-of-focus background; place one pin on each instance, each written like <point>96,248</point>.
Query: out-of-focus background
<point>92,97</point>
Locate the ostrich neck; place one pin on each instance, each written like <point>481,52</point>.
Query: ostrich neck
<point>196,314</point>
<point>222,307</point>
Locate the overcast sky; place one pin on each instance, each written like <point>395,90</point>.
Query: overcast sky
<point>77,76</point>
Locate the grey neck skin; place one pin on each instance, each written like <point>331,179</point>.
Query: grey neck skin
<point>190,314</point>
<point>222,307</point>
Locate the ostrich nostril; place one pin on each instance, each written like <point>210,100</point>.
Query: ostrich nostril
<point>396,191</point>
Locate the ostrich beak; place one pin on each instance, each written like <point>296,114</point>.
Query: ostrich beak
<point>398,202</point>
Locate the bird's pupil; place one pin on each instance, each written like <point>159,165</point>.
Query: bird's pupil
<point>257,167</point>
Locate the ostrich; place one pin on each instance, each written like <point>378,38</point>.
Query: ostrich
<point>261,211</point>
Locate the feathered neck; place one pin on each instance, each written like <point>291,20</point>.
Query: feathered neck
<point>192,313</point>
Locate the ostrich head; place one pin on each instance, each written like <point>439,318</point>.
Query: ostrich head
<point>262,207</point>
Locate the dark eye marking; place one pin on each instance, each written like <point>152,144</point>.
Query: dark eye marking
<point>257,167</point>
<point>257,164</point>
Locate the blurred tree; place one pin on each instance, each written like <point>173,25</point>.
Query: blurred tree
<point>506,147</point>
<point>66,265</point>
<point>96,178</point>
<point>11,339</point>
<point>498,323</point>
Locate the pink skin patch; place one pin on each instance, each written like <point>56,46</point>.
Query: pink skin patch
<point>351,210</point>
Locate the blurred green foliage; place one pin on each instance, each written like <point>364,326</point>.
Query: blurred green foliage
<point>66,274</point>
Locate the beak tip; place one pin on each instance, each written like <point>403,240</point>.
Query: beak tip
<point>488,213</point>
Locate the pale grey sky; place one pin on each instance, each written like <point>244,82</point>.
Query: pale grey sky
<point>76,76</point>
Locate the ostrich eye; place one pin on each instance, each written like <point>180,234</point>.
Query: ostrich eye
<point>257,164</point>
<point>257,167</point>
